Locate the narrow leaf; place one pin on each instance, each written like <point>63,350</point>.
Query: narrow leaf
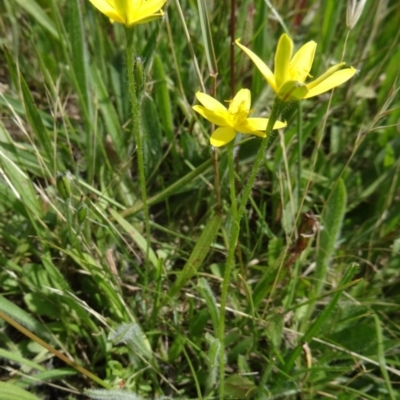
<point>198,254</point>
<point>332,221</point>
<point>12,392</point>
<point>136,237</point>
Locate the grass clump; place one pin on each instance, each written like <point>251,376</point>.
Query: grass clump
<point>122,232</point>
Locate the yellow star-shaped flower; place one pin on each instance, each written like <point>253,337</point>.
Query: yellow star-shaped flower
<point>288,81</point>
<point>130,12</point>
<point>233,119</point>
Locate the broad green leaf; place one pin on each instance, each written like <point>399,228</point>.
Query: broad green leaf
<point>240,387</point>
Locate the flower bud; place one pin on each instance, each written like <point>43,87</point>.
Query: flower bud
<point>82,213</point>
<point>63,186</point>
<point>354,10</point>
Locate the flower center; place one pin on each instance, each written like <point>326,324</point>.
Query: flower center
<point>238,113</point>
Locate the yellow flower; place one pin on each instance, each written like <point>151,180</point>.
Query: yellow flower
<point>288,81</point>
<point>130,12</point>
<point>232,120</point>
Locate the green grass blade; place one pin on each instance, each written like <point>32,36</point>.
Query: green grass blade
<point>31,111</point>
<point>164,105</point>
<point>109,114</point>
<point>37,12</point>
<point>79,54</point>
<point>170,190</point>
<point>20,183</point>
<point>382,358</point>
<point>207,38</point>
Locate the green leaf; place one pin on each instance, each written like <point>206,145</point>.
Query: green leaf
<point>136,237</point>
<point>22,317</point>
<point>12,392</point>
<point>198,254</point>
<point>213,361</point>
<point>382,358</point>
<point>164,105</point>
<point>108,112</point>
<point>239,387</point>
<point>79,54</point>
<point>19,182</point>
<point>209,297</point>
<point>102,394</point>
<point>17,358</point>
<point>40,305</point>
<point>132,334</point>
<point>331,221</point>
<point>322,318</point>
<point>207,38</point>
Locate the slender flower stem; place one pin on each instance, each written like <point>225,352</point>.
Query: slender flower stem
<point>234,234</point>
<point>217,184</point>
<point>299,147</point>
<point>232,30</point>
<point>231,166</point>
<point>130,54</point>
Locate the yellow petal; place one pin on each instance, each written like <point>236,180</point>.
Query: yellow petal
<point>222,136</point>
<point>332,81</point>
<point>265,71</point>
<point>215,117</point>
<point>123,8</point>
<point>283,55</point>
<point>107,9</point>
<point>260,124</point>
<point>241,101</point>
<point>143,20</point>
<point>257,126</point>
<point>301,63</point>
<point>209,102</point>
<point>151,7</point>
<point>330,71</point>
<point>146,11</point>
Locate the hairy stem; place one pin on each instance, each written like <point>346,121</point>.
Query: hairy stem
<point>130,56</point>
<point>235,229</point>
